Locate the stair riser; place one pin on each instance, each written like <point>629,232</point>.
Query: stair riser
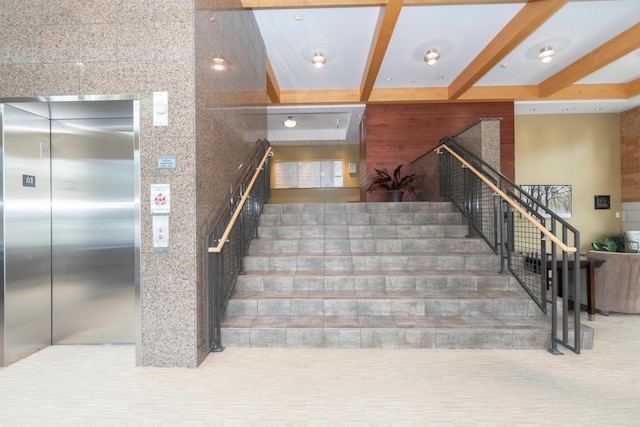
<point>375,283</point>
<point>354,263</point>
<point>365,246</point>
<point>357,208</point>
<point>392,338</point>
<point>379,307</point>
<point>361,219</point>
<point>362,231</point>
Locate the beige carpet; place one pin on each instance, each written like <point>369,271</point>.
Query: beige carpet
<point>98,385</point>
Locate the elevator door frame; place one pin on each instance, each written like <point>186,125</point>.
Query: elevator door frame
<point>41,106</point>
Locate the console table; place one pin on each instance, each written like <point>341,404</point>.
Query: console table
<point>589,265</point>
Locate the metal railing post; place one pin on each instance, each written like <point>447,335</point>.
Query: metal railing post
<point>218,302</point>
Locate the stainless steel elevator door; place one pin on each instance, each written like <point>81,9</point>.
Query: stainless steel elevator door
<point>27,234</point>
<point>92,216</point>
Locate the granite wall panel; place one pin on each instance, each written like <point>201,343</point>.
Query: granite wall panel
<point>230,113</point>
<point>98,47</point>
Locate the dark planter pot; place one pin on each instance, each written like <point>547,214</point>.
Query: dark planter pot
<point>395,195</point>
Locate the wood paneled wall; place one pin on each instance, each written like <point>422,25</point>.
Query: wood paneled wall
<point>630,154</point>
<point>399,133</point>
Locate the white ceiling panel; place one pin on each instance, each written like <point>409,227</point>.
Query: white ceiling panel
<point>623,70</point>
<point>574,31</point>
<point>343,36</point>
<point>459,32</point>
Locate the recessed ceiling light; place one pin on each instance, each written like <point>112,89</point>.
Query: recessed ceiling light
<point>388,79</point>
<point>546,54</point>
<point>504,65</point>
<point>532,109</point>
<point>431,57</point>
<point>598,108</point>
<point>218,64</point>
<point>298,18</point>
<point>565,109</point>
<point>290,122</point>
<point>440,77</point>
<point>318,60</point>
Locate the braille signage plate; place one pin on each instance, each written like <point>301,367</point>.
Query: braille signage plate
<point>28,181</point>
<point>167,162</point>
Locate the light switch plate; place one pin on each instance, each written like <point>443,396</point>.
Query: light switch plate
<point>160,108</point>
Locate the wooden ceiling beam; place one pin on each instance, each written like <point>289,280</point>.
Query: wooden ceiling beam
<point>273,89</point>
<point>617,47</point>
<point>381,37</point>
<point>475,93</point>
<point>633,88</point>
<point>531,16</point>
<point>273,4</point>
<point>336,96</point>
<point>591,91</point>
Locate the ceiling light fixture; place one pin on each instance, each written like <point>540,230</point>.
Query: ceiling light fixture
<point>218,64</point>
<point>431,57</point>
<point>290,122</point>
<point>546,54</point>
<point>318,60</point>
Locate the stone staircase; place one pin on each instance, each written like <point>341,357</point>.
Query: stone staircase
<point>384,275</point>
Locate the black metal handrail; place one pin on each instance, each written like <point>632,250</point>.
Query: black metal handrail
<point>525,234</point>
<point>227,239</point>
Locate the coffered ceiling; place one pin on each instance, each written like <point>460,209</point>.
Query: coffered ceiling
<point>375,51</point>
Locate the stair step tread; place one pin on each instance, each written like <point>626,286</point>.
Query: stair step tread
<point>377,273</point>
<point>488,253</point>
<point>367,294</point>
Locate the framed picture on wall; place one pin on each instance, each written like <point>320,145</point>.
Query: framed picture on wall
<point>602,202</point>
<point>555,197</point>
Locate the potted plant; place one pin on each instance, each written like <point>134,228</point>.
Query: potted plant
<point>395,184</point>
<point>611,243</point>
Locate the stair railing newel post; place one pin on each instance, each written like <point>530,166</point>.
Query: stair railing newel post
<point>554,296</point>
<point>498,221</point>
<point>577,289</point>
<point>218,272</point>
<point>241,225</point>
<point>467,199</point>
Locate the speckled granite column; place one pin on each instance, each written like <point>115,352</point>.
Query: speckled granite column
<point>62,47</point>
<point>483,139</point>
<point>230,114</point>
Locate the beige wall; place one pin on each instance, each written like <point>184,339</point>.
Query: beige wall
<point>578,149</point>
<point>349,153</point>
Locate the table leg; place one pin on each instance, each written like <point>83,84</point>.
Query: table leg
<point>591,294</point>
